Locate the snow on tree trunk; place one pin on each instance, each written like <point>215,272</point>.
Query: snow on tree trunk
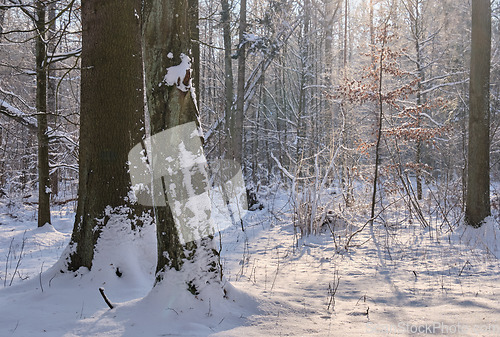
<point>175,155</point>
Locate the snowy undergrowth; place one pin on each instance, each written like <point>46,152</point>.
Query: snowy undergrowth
<point>391,280</point>
<point>56,303</point>
<point>405,279</point>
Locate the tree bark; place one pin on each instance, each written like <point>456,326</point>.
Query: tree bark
<point>167,42</point>
<point>372,32</point>
<point>228,70</point>
<point>52,90</point>
<point>305,68</point>
<point>346,32</point>
<point>195,47</point>
<point>416,23</point>
<point>2,19</point>
<point>478,174</point>
<point>111,116</point>
<point>237,134</point>
<point>41,107</point>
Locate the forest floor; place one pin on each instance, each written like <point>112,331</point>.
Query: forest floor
<point>399,279</point>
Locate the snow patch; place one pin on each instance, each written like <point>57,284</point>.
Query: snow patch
<point>179,75</point>
<point>486,237</point>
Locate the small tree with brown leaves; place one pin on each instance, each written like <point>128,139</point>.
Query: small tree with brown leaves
<point>385,86</point>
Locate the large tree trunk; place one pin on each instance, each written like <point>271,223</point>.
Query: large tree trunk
<point>111,116</point>
<point>183,233</point>
<point>478,180</point>
<point>41,107</point>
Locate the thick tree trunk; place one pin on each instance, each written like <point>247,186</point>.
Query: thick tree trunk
<point>111,116</point>
<point>168,69</point>
<point>478,180</point>
<point>41,107</point>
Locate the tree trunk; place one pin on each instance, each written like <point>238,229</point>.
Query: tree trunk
<point>2,19</point>
<point>237,134</point>
<point>193,12</point>
<point>228,70</point>
<point>478,182</point>
<point>111,117</point>
<point>305,68</point>
<point>171,106</point>
<point>52,90</point>
<point>346,32</point>
<point>372,32</point>
<point>417,34</point>
<point>380,120</point>
<point>41,107</point>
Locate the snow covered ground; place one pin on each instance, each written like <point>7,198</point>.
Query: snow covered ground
<point>397,280</point>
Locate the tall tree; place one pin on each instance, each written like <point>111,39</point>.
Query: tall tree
<point>478,173</point>
<point>52,88</point>
<point>111,116</point>
<point>228,66</point>
<point>41,107</point>
<point>413,8</point>
<point>183,231</point>
<point>237,124</point>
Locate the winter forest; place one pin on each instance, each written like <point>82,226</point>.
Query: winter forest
<point>249,168</point>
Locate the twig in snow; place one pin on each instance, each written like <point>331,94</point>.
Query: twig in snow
<point>332,290</point>
<point>7,263</point>
<point>81,310</point>
<point>277,269</point>
<point>40,277</point>
<point>465,265</point>
<point>19,259</point>
<point>50,281</point>
<point>209,313</point>
<point>101,290</point>
<point>15,328</point>
<point>173,311</point>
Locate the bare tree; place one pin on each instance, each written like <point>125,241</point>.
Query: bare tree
<point>237,120</point>
<point>41,107</point>
<point>478,174</point>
